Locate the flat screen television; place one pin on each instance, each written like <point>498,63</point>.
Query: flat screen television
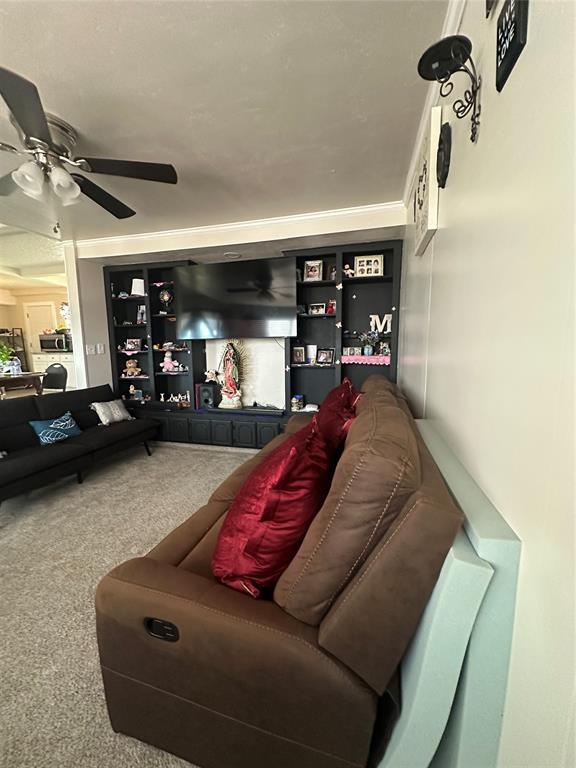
<point>243,299</point>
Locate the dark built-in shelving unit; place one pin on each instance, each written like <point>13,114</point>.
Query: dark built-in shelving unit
<point>356,298</point>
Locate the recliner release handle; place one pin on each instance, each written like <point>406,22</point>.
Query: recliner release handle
<point>163,630</point>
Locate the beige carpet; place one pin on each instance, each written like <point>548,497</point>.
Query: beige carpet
<point>55,544</point>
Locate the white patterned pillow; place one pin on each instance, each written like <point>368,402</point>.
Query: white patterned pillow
<point>112,411</point>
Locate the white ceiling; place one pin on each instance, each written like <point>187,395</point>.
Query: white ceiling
<point>265,108</point>
<point>30,261</point>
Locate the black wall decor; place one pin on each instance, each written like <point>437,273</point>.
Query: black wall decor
<point>511,36</point>
<point>489,6</point>
<point>443,155</point>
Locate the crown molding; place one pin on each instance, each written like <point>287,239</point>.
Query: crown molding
<point>365,217</point>
<point>452,22</point>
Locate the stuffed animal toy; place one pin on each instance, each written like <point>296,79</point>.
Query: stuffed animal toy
<point>132,368</point>
<point>168,365</point>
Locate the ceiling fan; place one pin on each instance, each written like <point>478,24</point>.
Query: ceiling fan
<point>48,143</point>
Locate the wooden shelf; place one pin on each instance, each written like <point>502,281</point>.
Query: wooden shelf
<point>174,349</point>
<point>176,373</point>
<point>317,283</point>
<point>134,352</point>
<point>130,298</point>
<point>317,317</point>
<point>368,279</point>
<point>133,378</point>
<point>130,325</point>
<point>312,365</point>
<point>168,316</point>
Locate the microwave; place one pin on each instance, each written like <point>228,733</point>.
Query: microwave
<point>55,342</point>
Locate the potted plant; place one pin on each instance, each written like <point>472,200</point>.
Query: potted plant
<point>369,339</point>
<point>6,354</point>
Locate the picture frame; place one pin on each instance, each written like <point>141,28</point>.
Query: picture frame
<point>424,189</point>
<point>511,38</point>
<point>355,350</point>
<point>317,309</point>
<point>138,394</point>
<point>298,356</point>
<point>325,356</point>
<point>332,273</point>
<point>331,307</point>
<point>133,345</point>
<point>346,351</point>
<point>369,266</point>
<point>311,354</point>
<point>313,271</point>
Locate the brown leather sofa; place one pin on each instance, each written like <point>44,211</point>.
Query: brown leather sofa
<point>226,681</point>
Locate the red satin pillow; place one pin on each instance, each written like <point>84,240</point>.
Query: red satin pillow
<point>273,509</point>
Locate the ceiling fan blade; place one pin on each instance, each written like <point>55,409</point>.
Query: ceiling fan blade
<point>104,199</point>
<point>23,101</point>
<point>7,185</point>
<point>130,168</point>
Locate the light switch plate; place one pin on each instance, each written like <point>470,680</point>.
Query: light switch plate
<point>90,349</point>
<point>100,349</point>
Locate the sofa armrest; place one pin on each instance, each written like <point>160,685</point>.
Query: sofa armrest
<point>242,658</point>
<point>295,423</point>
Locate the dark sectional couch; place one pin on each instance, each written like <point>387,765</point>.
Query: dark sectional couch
<point>30,465</point>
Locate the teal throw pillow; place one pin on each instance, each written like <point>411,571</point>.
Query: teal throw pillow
<point>54,430</point>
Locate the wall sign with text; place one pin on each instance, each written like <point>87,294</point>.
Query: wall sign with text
<point>511,36</point>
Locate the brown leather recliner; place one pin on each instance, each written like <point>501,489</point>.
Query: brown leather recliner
<point>226,681</point>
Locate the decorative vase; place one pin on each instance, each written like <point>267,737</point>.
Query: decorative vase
<point>368,350</point>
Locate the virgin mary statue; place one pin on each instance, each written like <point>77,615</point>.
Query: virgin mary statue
<point>231,394</point>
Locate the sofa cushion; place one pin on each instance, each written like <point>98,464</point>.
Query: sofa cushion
<point>30,461</point>
<point>379,469</point>
<point>337,413</point>
<point>271,512</point>
<point>15,431</point>
<point>50,431</point>
<point>96,438</point>
<point>78,402</point>
<point>111,412</point>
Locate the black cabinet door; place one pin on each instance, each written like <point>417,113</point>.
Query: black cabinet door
<point>244,434</point>
<point>266,432</point>
<point>199,431</point>
<point>163,431</point>
<point>178,429</point>
<point>221,432</point>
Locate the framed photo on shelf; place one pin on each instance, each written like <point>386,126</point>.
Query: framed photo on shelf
<point>311,353</point>
<point>347,351</point>
<point>325,356</point>
<point>313,271</point>
<point>317,309</point>
<point>133,345</point>
<point>369,266</point>
<point>355,350</point>
<point>298,355</point>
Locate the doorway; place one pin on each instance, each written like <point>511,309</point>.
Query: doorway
<point>38,316</point>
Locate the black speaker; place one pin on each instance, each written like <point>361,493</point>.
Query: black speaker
<point>209,395</point>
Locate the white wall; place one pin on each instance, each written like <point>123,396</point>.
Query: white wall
<point>488,349</point>
<point>89,321</point>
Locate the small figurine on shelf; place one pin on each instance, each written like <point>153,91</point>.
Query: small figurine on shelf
<point>331,307</point>
<point>161,397</point>
<point>348,271</point>
<point>332,273</point>
<point>168,365</point>
<point>131,390</point>
<point>132,368</point>
<point>166,298</point>
<point>212,376</point>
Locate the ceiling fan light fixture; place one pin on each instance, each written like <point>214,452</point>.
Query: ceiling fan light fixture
<point>64,186</point>
<point>30,178</point>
